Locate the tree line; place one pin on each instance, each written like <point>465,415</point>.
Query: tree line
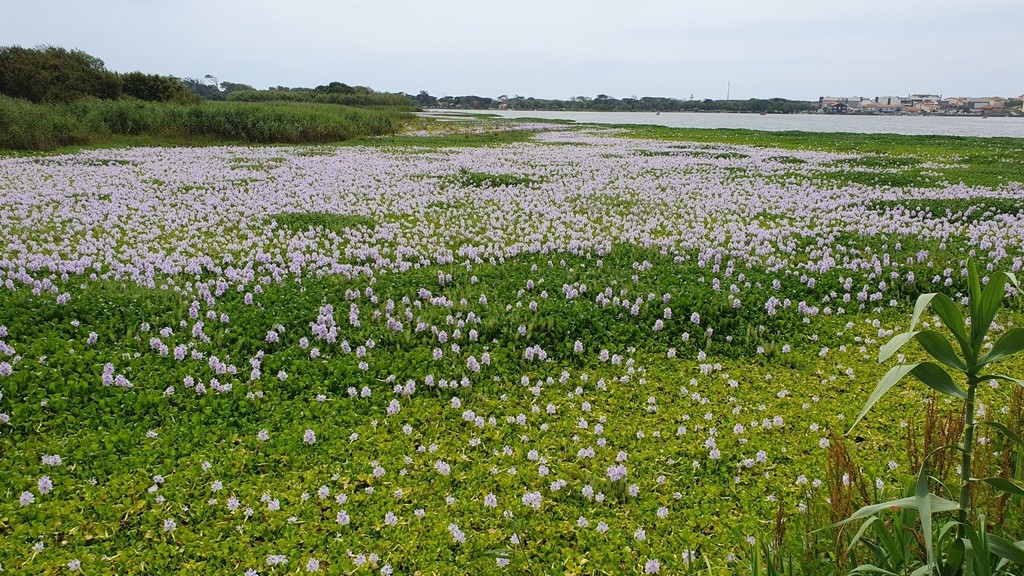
<point>51,75</point>
<point>55,75</point>
<point>605,103</point>
<point>52,97</point>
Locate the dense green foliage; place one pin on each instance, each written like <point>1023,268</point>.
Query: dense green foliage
<point>52,74</point>
<point>270,368</point>
<point>321,221</point>
<point>359,96</point>
<point>604,103</point>
<point>55,75</point>
<point>52,97</point>
<point>26,126</point>
<point>973,161</point>
<point>155,88</point>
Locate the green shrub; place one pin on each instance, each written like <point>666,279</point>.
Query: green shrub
<point>27,126</point>
<point>356,99</point>
<point>53,74</point>
<point>156,88</point>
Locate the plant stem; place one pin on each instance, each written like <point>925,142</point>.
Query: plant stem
<point>965,468</point>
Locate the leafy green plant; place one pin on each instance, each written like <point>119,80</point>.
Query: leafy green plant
<point>974,546</point>
<point>47,126</point>
<point>336,223</point>
<point>768,561</point>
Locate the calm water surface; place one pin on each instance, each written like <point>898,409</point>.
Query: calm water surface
<point>947,126</point>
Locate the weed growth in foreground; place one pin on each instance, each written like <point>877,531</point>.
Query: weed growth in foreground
<point>26,126</point>
<point>638,362</point>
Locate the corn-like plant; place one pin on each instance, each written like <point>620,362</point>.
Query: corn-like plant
<point>959,541</point>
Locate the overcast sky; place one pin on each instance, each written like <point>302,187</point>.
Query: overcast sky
<point>797,49</point>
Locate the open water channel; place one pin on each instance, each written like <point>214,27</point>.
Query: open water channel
<point>1012,127</point>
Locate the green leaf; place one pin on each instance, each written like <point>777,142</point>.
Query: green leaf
<point>939,348</point>
<point>930,374</point>
<point>1008,433</point>
<point>924,511</point>
<point>975,551</point>
<point>1003,485</point>
<point>933,376</point>
<point>991,299</point>
<point>1012,279</point>
<point>863,528</point>
<point>1003,377</point>
<point>954,556</point>
<point>891,378</point>
<point>1012,551</point>
<point>919,307</point>
<point>1007,345</point>
<point>895,344</point>
<point>949,312</point>
<point>871,569</point>
<point>936,504</point>
<point>974,295</point>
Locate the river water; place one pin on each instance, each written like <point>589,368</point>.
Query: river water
<point>919,125</point>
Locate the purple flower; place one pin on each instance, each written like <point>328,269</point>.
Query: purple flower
<point>532,499</point>
<point>457,534</point>
<point>617,472</point>
<point>52,460</point>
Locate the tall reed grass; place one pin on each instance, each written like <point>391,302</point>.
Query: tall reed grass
<point>40,127</point>
<point>359,99</point>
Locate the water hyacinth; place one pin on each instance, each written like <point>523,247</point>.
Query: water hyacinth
<point>469,362</point>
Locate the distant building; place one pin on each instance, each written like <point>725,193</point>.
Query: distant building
<point>840,104</point>
<point>884,107</point>
<point>914,104</point>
